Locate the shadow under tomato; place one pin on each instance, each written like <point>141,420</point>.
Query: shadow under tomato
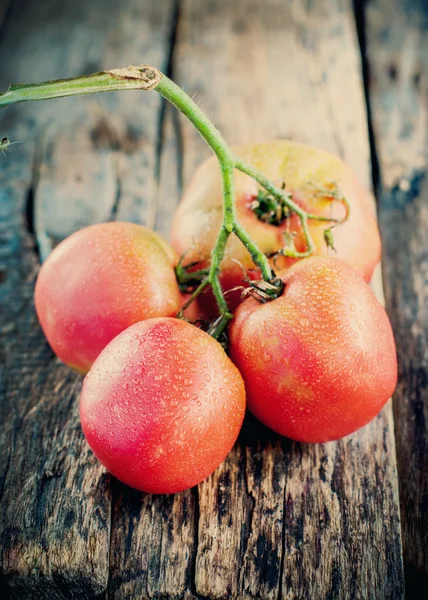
<point>257,436</point>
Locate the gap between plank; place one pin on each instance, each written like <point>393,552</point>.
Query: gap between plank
<point>30,201</point>
<point>160,135</point>
<point>5,17</point>
<point>360,24</point>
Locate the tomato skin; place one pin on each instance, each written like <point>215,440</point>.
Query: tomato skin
<point>162,406</point>
<point>304,169</point>
<point>98,282</point>
<point>195,312</point>
<point>319,362</point>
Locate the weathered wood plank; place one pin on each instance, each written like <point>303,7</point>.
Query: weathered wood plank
<point>328,525</point>
<point>44,525</point>
<point>276,519</point>
<point>153,542</point>
<point>397,51</point>
<point>83,161</point>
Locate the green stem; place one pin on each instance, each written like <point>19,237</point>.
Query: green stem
<point>228,189</point>
<point>263,264</point>
<point>227,161</point>
<point>143,77</point>
<point>193,297</point>
<point>268,185</point>
<point>213,276</point>
<point>175,95</point>
<point>146,77</point>
<point>285,198</point>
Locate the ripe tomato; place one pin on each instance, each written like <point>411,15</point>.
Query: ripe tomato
<point>306,172</point>
<point>162,406</point>
<point>98,282</point>
<point>318,362</point>
<point>195,312</point>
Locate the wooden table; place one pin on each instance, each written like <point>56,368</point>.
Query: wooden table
<point>277,519</point>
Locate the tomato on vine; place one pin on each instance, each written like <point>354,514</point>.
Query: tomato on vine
<point>98,282</point>
<point>317,181</point>
<point>162,406</point>
<point>319,362</point>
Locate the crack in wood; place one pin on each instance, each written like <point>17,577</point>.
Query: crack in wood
<point>283,546</point>
<point>360,24</point>
<point>30,202</point>
<point>166,109</point>
<point>249,514</point>
<point>5,14</point>
<point>192,561</point>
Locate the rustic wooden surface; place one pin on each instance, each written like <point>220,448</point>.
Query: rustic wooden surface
<point>276,520</point>
<point>397,53</point>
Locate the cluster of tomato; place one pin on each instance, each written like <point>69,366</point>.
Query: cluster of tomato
<point>162,403</point>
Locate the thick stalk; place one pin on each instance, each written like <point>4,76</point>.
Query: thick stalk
<point>175,95</point>
<point>227,161</point>
<point>143,77</point>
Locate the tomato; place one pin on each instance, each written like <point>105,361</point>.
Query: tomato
<point>162,405</point>
<point>195,312</point>
<point>319,362</point>
<point>98,282</point>
<point>306,171</point>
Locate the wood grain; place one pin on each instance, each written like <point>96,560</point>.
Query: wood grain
<point>45,468</point>
<point>276,520</point>
<point>398,61</point>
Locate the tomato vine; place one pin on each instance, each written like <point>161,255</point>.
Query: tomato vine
<point>145,77</point>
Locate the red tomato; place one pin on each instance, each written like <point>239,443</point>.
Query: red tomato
<point>195,312</point>
<point>162,406</point>
<point>318,362</point>
<point>306,171</point>
<point>98,282</point>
